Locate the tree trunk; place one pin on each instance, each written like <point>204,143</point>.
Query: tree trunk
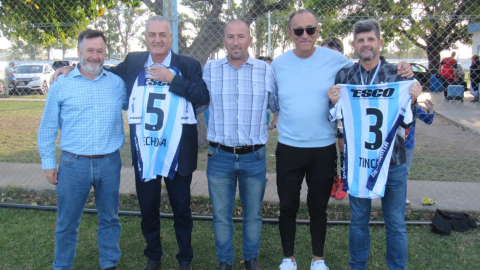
<point>433,50</point>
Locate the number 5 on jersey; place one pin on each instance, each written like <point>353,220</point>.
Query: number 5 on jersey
<point>155,110</point>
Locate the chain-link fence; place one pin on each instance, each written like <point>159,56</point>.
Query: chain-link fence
<point>422,32</point>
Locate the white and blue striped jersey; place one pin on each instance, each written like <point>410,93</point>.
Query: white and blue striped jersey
<point>158,115</point>
<point>371,115</point>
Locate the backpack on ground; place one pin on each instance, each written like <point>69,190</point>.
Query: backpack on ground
<point>443,222</point>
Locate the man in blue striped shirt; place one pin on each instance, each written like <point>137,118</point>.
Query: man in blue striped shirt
<point>87,107</point>
<point>187,84</point>
<point>240,90</point>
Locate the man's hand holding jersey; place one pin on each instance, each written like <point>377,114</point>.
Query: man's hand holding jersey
<point>334,94</point>
<point>415,91</point>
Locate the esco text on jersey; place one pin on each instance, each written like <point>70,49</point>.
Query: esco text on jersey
<point>387,92</point>
<point>155,82</point>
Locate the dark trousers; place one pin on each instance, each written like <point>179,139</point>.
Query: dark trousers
<point>317,166</point>
<point>149,200</point>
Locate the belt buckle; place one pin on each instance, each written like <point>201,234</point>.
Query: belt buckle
<point>239,150</point>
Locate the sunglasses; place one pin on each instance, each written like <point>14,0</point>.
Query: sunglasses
<point>299,31</point>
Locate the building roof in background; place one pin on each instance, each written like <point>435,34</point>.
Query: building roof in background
<point>473,27</point>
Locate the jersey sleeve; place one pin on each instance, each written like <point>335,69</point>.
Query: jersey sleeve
<point>336,112</point>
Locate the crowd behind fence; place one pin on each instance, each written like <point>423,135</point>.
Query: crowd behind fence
<point>446,161</point>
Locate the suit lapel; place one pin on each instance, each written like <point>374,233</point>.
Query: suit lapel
<point>141,63</point>
<point>174,62</point>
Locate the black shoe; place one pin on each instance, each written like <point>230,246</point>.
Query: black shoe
<point>224,266</point>
<point>153,266</point>
<point>252,265</point>
<point>185,267</point>
<point>111,268</point>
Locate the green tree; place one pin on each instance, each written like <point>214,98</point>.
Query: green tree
<point>278,34</point>
<point>209,19</point>
<point>432,25</point>
<point>68,44</point>
<point>27,51</point>
<point>44,21</point>
<point>121,24</point>
<point>404,46</point>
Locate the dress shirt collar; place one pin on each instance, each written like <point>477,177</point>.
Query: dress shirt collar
<point>249,61</point>
<point>166,62</point>
<point>76,72</point>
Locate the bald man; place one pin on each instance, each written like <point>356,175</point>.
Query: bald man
<point>240,90</point>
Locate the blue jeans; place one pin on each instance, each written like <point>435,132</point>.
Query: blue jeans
<point>409,154</point>
<point>393,209</point>
<point>206,114</point>
<point>268,117</point>
<point>223,171</point>
<point>76,175</point>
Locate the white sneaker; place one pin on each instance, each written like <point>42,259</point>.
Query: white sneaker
<point>318,265</point>
<point>287,264</point>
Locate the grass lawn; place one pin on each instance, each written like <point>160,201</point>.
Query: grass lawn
<point>27,241</point>
<point>27,236</point>
<point>20,121</point>
<point>19,127</point>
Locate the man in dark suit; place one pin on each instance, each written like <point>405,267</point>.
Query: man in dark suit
<point>189,85</point>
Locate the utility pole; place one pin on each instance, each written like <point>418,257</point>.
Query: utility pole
<point>171,14</point>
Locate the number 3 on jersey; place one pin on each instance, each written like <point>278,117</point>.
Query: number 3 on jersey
<point>375,129</point>
<point>155,110</point>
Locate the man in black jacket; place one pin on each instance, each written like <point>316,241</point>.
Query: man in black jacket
<point>374,70</point>
<point>190,85</point>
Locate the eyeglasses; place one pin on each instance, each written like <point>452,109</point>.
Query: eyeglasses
<point>299,31</point>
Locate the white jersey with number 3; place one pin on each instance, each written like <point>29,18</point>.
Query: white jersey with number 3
<point>371,115</point>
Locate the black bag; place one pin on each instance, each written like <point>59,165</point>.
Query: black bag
<point>443,222</point>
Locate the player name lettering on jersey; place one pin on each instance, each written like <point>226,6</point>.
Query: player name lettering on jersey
<point>373,93</point>
<point>367,162</point>
<point>154,141</point>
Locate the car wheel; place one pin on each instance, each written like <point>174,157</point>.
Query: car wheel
<point>44,89</point>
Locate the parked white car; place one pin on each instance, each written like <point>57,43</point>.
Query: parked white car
<point>33,77</point>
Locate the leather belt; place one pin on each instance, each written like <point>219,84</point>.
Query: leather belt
<point>237,150</point>
<point>89,157</point>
